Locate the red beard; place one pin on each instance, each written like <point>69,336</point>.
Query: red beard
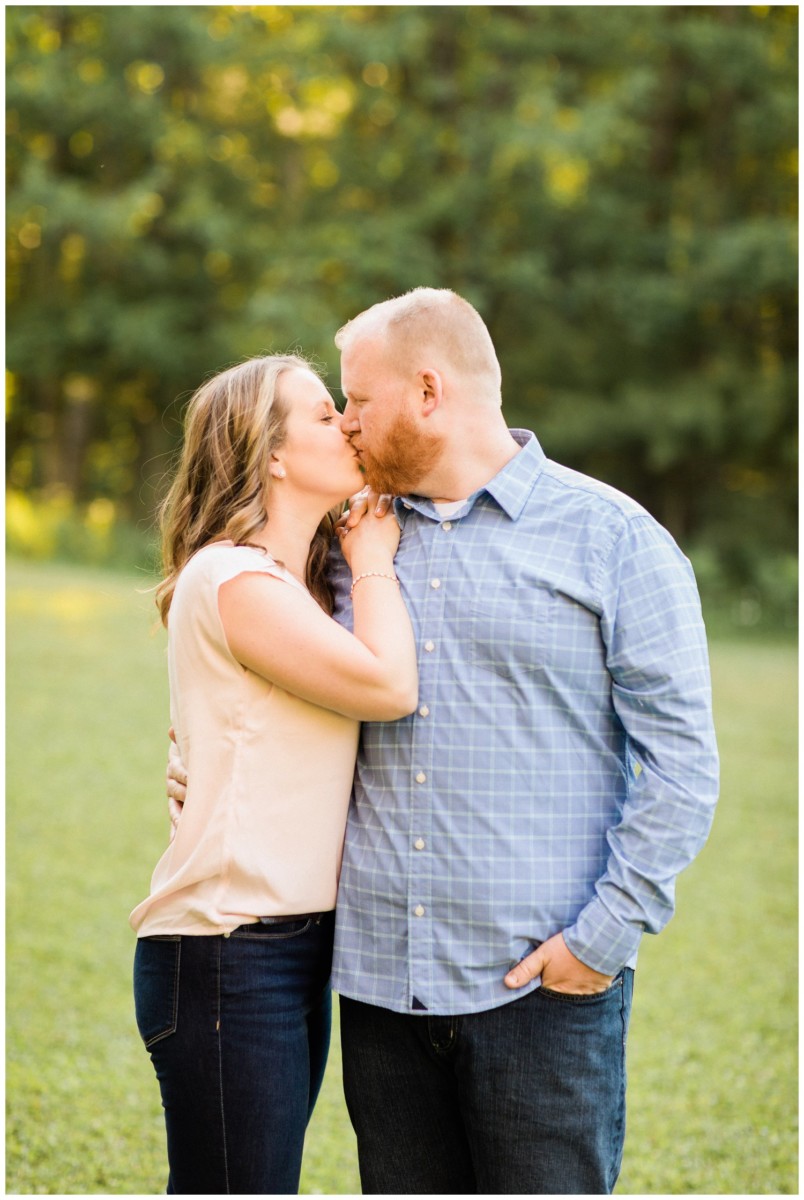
<point>402,459</point>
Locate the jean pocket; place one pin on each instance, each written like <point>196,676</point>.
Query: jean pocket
<point>584,998</point>
<point>156,987</point>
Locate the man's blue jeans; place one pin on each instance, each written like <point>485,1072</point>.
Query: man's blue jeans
<point>528,1098</point>
<point>238,1031</point>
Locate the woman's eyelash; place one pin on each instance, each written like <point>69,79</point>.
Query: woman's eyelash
<point>328,419</point>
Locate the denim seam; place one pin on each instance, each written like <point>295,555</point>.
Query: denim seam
<point>443,1047</point>
<point>617,1167</point>
<point>174,1021</point>
<point>220,1071</point>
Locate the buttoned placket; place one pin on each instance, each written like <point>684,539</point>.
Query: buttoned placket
<point>424,767</point>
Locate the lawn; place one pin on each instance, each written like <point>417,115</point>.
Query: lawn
<point>712,1053</point>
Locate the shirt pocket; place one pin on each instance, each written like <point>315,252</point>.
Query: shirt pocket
<point>509,629</point>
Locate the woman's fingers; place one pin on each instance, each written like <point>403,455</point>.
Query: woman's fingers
<point>358,507</point>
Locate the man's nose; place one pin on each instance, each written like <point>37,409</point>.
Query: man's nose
<point>349,421</point>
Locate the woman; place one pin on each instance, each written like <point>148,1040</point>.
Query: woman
<point>266,692</point>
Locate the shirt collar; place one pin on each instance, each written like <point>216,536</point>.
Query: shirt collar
<point>510,487</point>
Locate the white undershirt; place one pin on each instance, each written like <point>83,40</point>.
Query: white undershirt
<point>449,508</point>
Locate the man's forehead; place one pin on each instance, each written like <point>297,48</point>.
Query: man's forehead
<point>359,358</point>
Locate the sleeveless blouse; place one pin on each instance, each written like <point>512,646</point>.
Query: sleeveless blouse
<point>270,775</point>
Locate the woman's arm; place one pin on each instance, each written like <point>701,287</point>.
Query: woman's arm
<point>371,676</point>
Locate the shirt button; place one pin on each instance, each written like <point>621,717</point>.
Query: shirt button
<point>421,777</point>
<point>424,711</point>
<point>407,506</point>
<point>435,583</point>
<point>446,526</point>
<point>419,844</point>
<point>429,647</point>
<point>419,910</point>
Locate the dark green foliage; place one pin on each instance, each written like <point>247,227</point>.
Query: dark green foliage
<point>613,187</point>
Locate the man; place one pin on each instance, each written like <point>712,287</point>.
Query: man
<point>510,842</point>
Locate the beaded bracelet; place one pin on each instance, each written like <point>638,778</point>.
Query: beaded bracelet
<point>370,575</point>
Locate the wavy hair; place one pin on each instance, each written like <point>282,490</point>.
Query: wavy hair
<point>233,424</point>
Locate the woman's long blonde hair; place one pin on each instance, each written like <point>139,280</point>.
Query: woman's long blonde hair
<point>233,424</point>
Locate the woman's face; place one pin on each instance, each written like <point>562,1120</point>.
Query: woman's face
<point>316,456</point>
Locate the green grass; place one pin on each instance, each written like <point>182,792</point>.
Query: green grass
<point>712,1054</point>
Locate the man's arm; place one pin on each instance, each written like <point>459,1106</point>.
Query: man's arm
<point>656,655</point>
<point>176,783</point>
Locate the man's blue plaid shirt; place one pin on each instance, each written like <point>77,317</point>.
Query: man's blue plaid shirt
<point>561,768</point>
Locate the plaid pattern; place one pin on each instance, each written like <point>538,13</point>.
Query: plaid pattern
<point>561,768</point>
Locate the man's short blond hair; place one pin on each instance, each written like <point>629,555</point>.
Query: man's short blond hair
<point>429,321</point>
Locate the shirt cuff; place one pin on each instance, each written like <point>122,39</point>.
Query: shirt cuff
<point>601,941</point>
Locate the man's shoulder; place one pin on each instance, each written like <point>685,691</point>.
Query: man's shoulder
<point>584,492</point>
<point>604,517</point>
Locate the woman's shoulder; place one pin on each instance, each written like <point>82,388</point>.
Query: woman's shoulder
<point>218,562</point>
<point>225,556</point>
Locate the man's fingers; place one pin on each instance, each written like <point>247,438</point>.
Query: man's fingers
<point>176,771</point>
<point>524,971</point>
<point>359,506</point>
<point>357,509</point>
<point>174,810</point>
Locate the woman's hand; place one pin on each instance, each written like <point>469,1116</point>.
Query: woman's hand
<point>369,539</point>
<point>359,505</point>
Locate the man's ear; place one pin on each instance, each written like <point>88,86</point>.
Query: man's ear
<point>431,390</point>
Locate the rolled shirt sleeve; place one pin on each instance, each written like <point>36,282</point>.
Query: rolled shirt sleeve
<point>656,653</point>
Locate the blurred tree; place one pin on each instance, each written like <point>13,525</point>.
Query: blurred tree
<point>613,187</point>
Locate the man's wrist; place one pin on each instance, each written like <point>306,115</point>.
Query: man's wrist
<point>601,942</point>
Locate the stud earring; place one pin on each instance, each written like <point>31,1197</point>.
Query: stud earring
<point>280,472</point>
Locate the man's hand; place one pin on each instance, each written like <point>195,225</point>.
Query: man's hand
<point>560,970</point>
<point>176,784</point>
<point>359,505</point>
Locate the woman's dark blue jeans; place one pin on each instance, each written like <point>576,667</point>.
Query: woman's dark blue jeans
<point>528,1098</point>
<point>238,1031</point>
